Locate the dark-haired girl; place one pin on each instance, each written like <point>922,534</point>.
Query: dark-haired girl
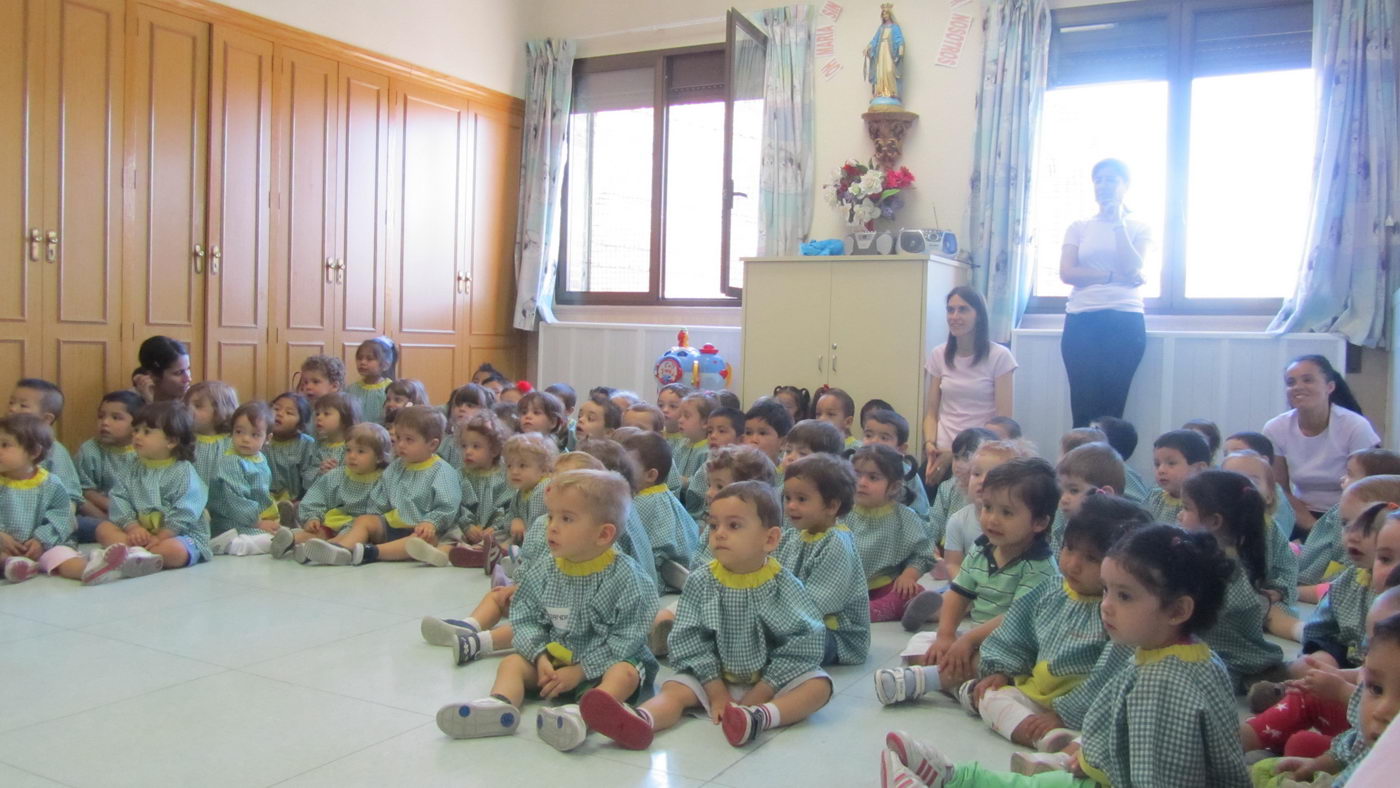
<point>375,360</point>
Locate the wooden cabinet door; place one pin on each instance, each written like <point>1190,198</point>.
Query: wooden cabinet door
<point>303,291</point>
<point>82,353</point>
<point>240,148</point>
<point>167,156</point>
<point>21,197</point>
<point>495,203</point>
<point>363,206</point>
<point>432,163</point>
<point>785,326</point>
<point>876,354</point>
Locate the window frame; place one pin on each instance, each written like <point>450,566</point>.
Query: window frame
<point>658,61</point>
<point>1180,18</point>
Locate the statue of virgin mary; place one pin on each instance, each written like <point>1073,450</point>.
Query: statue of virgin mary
<point>883,58</point>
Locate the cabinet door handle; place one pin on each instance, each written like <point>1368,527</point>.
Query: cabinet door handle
<point>216,256</point>
<point>330,270</point>
<point>51,254</point>
<point>833,363</point>
<point>199,258</point>
<point>36,239</point>
<point>340,270</point>
<point>819,363</point>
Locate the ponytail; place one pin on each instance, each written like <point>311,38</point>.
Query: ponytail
<point>1241,508</point>
<point>1173,563</point>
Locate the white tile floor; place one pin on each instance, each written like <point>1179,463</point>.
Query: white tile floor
<point>252,672</point>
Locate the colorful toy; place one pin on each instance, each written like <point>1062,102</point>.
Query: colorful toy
<point>704,368</point>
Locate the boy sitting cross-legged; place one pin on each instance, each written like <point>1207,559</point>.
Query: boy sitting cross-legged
<point>580,619</point>
<point>747,644</point>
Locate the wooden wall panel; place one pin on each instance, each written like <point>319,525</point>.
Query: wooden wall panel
<point>241,364</point>
<point>364,198</point>
<point>433,365</point>
<point>21,186</point>
<point>496,154</point>
<point>82,369</point>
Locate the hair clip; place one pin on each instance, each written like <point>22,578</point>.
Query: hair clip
<point>1392,505</point>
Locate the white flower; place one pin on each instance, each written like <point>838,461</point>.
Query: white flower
<point>867,211</point>
<point>872,182</point>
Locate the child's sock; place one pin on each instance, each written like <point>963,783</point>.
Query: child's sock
<point>219,544</point>
<point>896,685</point>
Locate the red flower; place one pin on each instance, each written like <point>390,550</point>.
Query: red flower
<point>898,179</point>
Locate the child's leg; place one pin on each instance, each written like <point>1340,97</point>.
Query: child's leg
<point>886,604</point>
<point>743,721</point>
<point>360,531</point>
<point>666,707</point>
<point>1284,624</point>
<point>172,550</point>
<point>497,715</point>
<point>397,549</point>
<point>1307,744</point>
<point>63,561</point>
<point>259,543</point>
<point>1272,727</point>
<point>109,533</point>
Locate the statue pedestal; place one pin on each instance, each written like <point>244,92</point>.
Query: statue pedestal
<point>887,127</point>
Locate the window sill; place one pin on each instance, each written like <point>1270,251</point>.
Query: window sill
<point>1212,323</point>
<point>661,315</point>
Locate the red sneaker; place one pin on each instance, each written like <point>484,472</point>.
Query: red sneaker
<point>615,720</point>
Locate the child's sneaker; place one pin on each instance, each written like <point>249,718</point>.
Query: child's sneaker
<point>444,631</point>
<point>660,635</point>
<point>965,696</point>
<point>478,718</point>
<point>319,552</point>
<point>299,554</point>
<point>219,544</point>
<point>896,685</point>
<point>468,648</point>
<point>466,556</point>
<point>674,575</point>
<point>926,763</point>
<point>491,552</point>
<point>283,543</point>
<point>105,564</point>
<point>420,549</point>
<point>894,774</point>
<point>1055,740</point>
<point>920,610</point>
<point>1029,763</point>
<point>616,720</point>
<point>562,727</point>
<point>141,562</point>
<point>741,723</point>
<point>19,569</point>
<point>499,578</point>
<point>287,514</point>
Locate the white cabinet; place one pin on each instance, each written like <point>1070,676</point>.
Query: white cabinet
<point>863,324</point>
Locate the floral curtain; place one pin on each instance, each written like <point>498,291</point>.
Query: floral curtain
<point>1344,282</point>
<point>1014,65</point>
<point>786,179</point>
<point>549,89</point>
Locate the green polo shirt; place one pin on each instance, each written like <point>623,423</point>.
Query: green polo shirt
<point>993,588</point>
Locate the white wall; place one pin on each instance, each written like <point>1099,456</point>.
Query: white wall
<point>481,41</point>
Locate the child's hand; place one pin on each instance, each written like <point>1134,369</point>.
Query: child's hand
<point>718,693</point>
<point>934,655</point>
<point>1296,768</point>
<point>906,586</point>
<point>565,679</point>
<point>426,531</point>
<point>329,464</point>
<point>544,670</point>
<point>314,527</point>
<point>9,545</point>
<point>474,534</point>
<point>993,682</point>
<point>957,660</point>
<point>136,536</point>
<point>517,530</point>
<point>1326,684</point>
<point>33,549</point>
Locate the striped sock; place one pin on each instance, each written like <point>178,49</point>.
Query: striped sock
<point>769,716</point>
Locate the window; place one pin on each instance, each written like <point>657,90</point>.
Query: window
<point>1210,103</point>
<point>645,184</point>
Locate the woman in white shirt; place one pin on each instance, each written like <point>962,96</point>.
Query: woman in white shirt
<point>969,379</point>
<point>1104,334</point>
<point>1312,441</point>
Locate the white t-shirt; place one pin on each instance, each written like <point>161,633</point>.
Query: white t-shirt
<point>1098,249</point>
<point>1316,464</point>
<point>964,526</point>
<point>968,391</point>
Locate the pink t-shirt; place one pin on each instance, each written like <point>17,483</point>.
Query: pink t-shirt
<point>968,391</point>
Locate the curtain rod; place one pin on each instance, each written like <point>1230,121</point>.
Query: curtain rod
<point>652,28</point>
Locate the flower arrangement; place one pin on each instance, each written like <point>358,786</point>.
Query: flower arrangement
<point>863,193</point>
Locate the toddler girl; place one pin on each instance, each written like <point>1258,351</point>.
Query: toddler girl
<point>1281,583</point>
<point>529,462</point>
<point>1228,506</point>
<point>156,513</point>
<point>35,519</point>
<point>798,402</point>
<point>1162,713</point>
<point>668,400</point>
<point>291,452</point>
<point>894,546</point>
<point>952,495</point>
<point>341,494</point>
<point>335,414</point>
<point>320,375</point>
<point>543,412</point>
<point>647,418</point>
<point>481,440</point>
<point>401,394</point>
<point>105,458</point>
<point>465,402</point>
<point>374,363</point>
<point>724,427</point>
<point>692,452</point>
<point>213,403</point>
<point>241,513</point>
<point>836,407</point>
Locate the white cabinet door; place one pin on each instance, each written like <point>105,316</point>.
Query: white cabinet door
<point>786,314</point>
<point>876,333</point>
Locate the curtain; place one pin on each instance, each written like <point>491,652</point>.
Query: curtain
<point>1344,282</point>
<point>1014,66</point>
<point>549,88</point>
<point>786,195</point>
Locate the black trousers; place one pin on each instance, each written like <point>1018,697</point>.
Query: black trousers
<point>1101,350</point>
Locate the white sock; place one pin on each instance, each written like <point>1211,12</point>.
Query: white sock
<point>471,621</point>
<point>251,544</point>
<point>484,637</point>
<point>931,681</point>
<point>774,719</point>
<point>1002,712</point>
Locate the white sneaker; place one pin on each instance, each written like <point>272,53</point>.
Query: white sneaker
<point>896,685</point>
<point>478,718</point>
<point>562,727</point>
<point>965,696</point>
<point>894,774</point>
<point>282,543</point>
<point>319,552</point>
<point>19,569</point>
<point>104,565</point>
<point>141,562</point>
<point>1055,740</point>
<point>443,631</point>
<point>219,544</point>
<point>926,763</point>
<point>299,554</point>
<point>421,550</point>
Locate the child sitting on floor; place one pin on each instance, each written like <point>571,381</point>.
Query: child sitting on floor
<point>1088,469</point>
<point>375,360</point>
<point>669,526</point>
<point>343,494</point>
<point>765,426</point>
<point>106,458</point>
<point>894,545</point>
<point>965,526</point>
<point>724,427</point>
<point>242,516</point>
<point>212,402</point>
<point>952,494</point>
<point>44,399</point>
<point>481,443</point>
<point>747,645</point>
<point>1322,557</point>
<point>1123,437</point>
<point>598,416</point>
<point>1176,455</point>
<point>334,415</point>
<point>580,620</point>
<point>891,429</point>
<point>692,449</point>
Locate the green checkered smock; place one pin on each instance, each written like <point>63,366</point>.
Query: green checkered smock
<point>36,508</point>
<point>591,613</point>
<point>1280,566</point>
<point>450,451</point>
<point>1163,507</point>
<point>99,467</point>
<point>60,464</point>
<point>323,451</point>
<point>948,499</point>
<point>163,495</point>
<point>422,492</point>
<point>1283,516</point>
<point>686,460</point>
<point>1135,488</point>
<point>208,449</point>
<point>484,494</point>
<point>338,497</point>
<point>370,398</point>
<point>889,538</point>
<point>760,626</point>
<point>1323,555</point>
<point>1338,625</point>
<point>528,505</point>
<point>239,495</point>
<point>828,566</point>
<point>1238,634</point>
<point>1348,747</point>
<point>288,460</point>
<point>669,526</point>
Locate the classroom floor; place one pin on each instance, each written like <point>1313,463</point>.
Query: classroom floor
<point>253,672</point>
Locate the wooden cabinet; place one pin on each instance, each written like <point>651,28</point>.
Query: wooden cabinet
<point>62,136</point>
<point>862,324</point>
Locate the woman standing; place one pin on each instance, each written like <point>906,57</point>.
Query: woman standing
<point>1312,441</point>
<point>164,373</point>
<point>969,379</point>
<point>1104,334</point>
